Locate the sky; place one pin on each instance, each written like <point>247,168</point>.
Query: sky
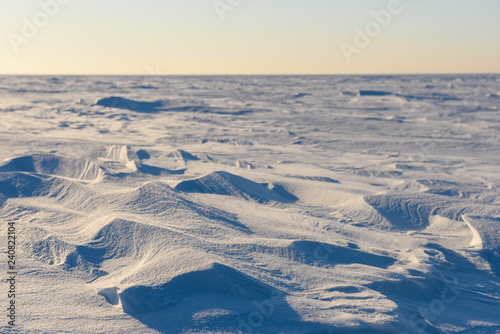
<point>190,37</point>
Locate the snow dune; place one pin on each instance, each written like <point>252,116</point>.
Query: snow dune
<point>223,183</point>
<point>49,164</point>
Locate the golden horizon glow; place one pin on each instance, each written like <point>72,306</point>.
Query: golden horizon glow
<point>283,37</point>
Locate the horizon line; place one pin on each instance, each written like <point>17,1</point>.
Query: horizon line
<point>243,74</point>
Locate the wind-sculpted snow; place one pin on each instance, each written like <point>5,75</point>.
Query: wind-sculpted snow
<point>488,238</point>
<point>412,211</point>
<point>15,185</point>
<point>183,155</point>
<point>298,204</point>
<point>223,183</point>
<point>118,102</point>
<point>81,169</point>
<point>404,211</point>
<point>128,104</point>
<point>216,278</point>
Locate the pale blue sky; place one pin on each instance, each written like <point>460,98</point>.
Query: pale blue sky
<point>256,37</point>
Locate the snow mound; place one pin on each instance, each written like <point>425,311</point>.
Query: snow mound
<point>214,278</point>
<point>64,192</point>
<point>128,104</point>
<point>120,161</point>
<point>50,249</point>
<point>158,199</point>
<point>49,164</point>
<point>224,183</point>
<point>311,252</point>
<point>116,240</point>
<point>13,185</point>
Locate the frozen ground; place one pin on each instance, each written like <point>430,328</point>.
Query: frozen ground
<point>322,204</point>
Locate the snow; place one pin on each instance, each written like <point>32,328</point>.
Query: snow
<point>259,204</point>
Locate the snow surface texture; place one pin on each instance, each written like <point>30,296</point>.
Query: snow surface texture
<point>253,204</point>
